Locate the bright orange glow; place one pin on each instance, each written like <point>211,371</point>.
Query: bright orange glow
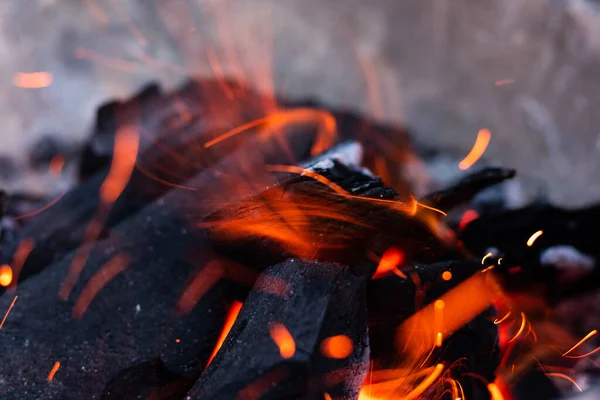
<point>521,328</point>
<point>567,377</point>
<point>177,340</point>
<point>232,315</point>
<point>460,305</point>
<point>200,285</point>
<point>495,391</point>
<point>339,346</point>
<point>503,82</point>
<point>439,340</point>
<point>589,335</point>
<point>481,144</point>
<point>56,165</point>
<point>302,171</point>
<point>446,275</point>
<point>6,275</point>
<point>468,217</point>
<point>281,119</point>
<point>8,311</point>
<point>283,339</point>
<point>533,238</point>
<point>21,253</point>
<point>327,396</point>
<point>126,147</point>
<point>426,383</point>
<point>501,320</point>
<point>53,371</point>
<point>390,261</point>
<point>105,274</point>
<point>32,80</point>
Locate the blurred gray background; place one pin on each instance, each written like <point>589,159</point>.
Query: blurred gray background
<point>526,69</point>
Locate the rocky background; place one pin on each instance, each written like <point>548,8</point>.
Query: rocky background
<point>529,70</point>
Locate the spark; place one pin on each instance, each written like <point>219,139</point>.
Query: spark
<point>105,274</point>
<point>589,335</point>
<point>488,255</point>
<point>389,262</point>
<point>232,315</point>
<point>503,82</point>
<point>41,209</point>
<point>495,391</point>
<point>283,339</point>
<point>488,268</point>
<point>521,328</point>
<point>301,171</point>
<point>438,340</point>
<point>431,208</point>
<point>53,371</point>
<point>6,275</point>
<point>481,144</point>
<point>177,340</point>
<point>110,62</point>
<point>564,376</point>
<point>439,307</point>
<point>426,383</point>
<point>501,320</point>
<point>534,237</point>
<point>327,396</point>
<point>32,80</point>
<point>325,121</point>
<point>339,346</point>
<point>8,311</point>
<point>446,275</point>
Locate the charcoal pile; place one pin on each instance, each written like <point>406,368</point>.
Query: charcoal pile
<point>221,244</point>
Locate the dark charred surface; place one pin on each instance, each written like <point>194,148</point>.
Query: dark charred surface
<point>249,363</point>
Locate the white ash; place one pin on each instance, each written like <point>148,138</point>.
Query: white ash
<point>566,257</point>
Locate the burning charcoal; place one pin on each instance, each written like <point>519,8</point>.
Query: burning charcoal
<point>475,342</point>
<point>283,343</point>
<point>467,188</point>
<point>66,222</point>
<point>301,216</point>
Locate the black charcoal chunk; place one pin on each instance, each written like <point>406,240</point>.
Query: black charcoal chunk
<point>313,301</point>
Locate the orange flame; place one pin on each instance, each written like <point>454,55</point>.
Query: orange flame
<point>495,391</point>
<point>232,315</point>
<point>32,80</point>
<point>339,346</point>
<point>391,259</point>
<point>53,371</point>
<point>283,339</point>
<point>481,143</point>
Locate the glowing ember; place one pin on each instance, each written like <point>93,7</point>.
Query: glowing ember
<point>283,339</point>
<point>446,275</point>
<point>533,238</point>
<point>127,142</point>
<point>467,218</point>
<point>53,371</point>
<point>481,143</point>
<point>56,165</point>
<point>339,346</point>
<point>32,80</point>
<point>390,261</point>
<point>589,335</point>
<point>8,311</point>
<point>6,275</point>
<point>495,392</point>
<point>232,315</point>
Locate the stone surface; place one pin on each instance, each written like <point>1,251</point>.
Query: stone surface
<point>431,64</point>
